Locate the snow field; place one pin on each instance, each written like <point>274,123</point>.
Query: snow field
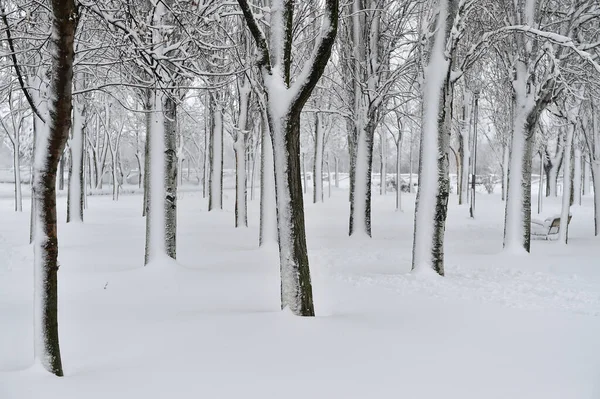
<point>497,326</point>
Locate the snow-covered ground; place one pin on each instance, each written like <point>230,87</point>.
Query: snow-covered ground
<point>209,326</point>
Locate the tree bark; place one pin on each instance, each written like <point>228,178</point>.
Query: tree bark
<point>75,197</point>
<point>318,159</point>
<point>170,181</point>
<point>51,147</point>
<point>577,177</point>
<point>215,189</point>
<point>268,204</point>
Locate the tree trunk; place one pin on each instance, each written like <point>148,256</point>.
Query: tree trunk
<point>586,175</point>
<point>296,288</point>
<point>336,171</point>
<point>505,163</point>
<point>215,189</point>
<point>563,232</point>
<point>268,207</point>
<point>170,176</point>
<point>17,173</point>
<point>398,175</point>
<point>148,108</point>
<point>360,189</point>
<point>577,177</point>
<point>517,224</point>
<point>51,144</point>
<point>552,167</point>
<point>241,207</point>
<point>464,148</point>
<point>383,166</point>
<point>595,166</point>
<point>318,160</point>
<point>434,182</point>
<point>155,216</point>
<point>75,197</point>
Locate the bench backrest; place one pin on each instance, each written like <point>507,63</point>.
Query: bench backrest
<point>555,225</point>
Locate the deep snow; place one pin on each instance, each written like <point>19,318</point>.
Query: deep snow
<point>497,326</point>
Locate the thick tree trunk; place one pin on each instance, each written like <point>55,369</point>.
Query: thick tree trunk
<point>434,181</point>
<point>75,196</point>
<point>170,177</point>
<point>296,288</point>
<point>161,218</point>
<point>360,188</point>
<point>517,224</point>
<point>50,146</point>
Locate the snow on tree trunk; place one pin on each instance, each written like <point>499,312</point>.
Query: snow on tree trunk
<point>383,166</point>
<point>552,168</point>
<point>17,172</point>
<point>518,203</point>
<point>398,174</point>
<point>155,217</point>
<point>572,113</point>
<point>318,159</point>
<point>49,148</point>
<point>434,182</point>
<point>170,176</point>
<point>241,218</point>
<point>76,184</point>
<point>240,148</point>
<point>296,289</point>
<point>577,177</point>
<point>595,166</point>
<point>505,163</point>
<point>327,163</point>
<point>563,233</point>
<point>336,172</point>
<point>148,100</point>
<point>215,189</point>
<point>360,189</point>
<point>284,106</point>
<point>464,147</point>
<point>207,135</point>
<point>268,206</point>
<point>586,175</point>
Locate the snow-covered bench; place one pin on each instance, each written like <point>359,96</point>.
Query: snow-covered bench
<point>546,229</point>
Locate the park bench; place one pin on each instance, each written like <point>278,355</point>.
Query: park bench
<point>547,229</point>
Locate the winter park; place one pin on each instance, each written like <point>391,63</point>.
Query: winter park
<point>278,198</point>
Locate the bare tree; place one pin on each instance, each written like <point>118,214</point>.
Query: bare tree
<point>49,147</point>
<point>284,103</point>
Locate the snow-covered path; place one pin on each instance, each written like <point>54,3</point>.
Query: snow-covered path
<point>496,326</point>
